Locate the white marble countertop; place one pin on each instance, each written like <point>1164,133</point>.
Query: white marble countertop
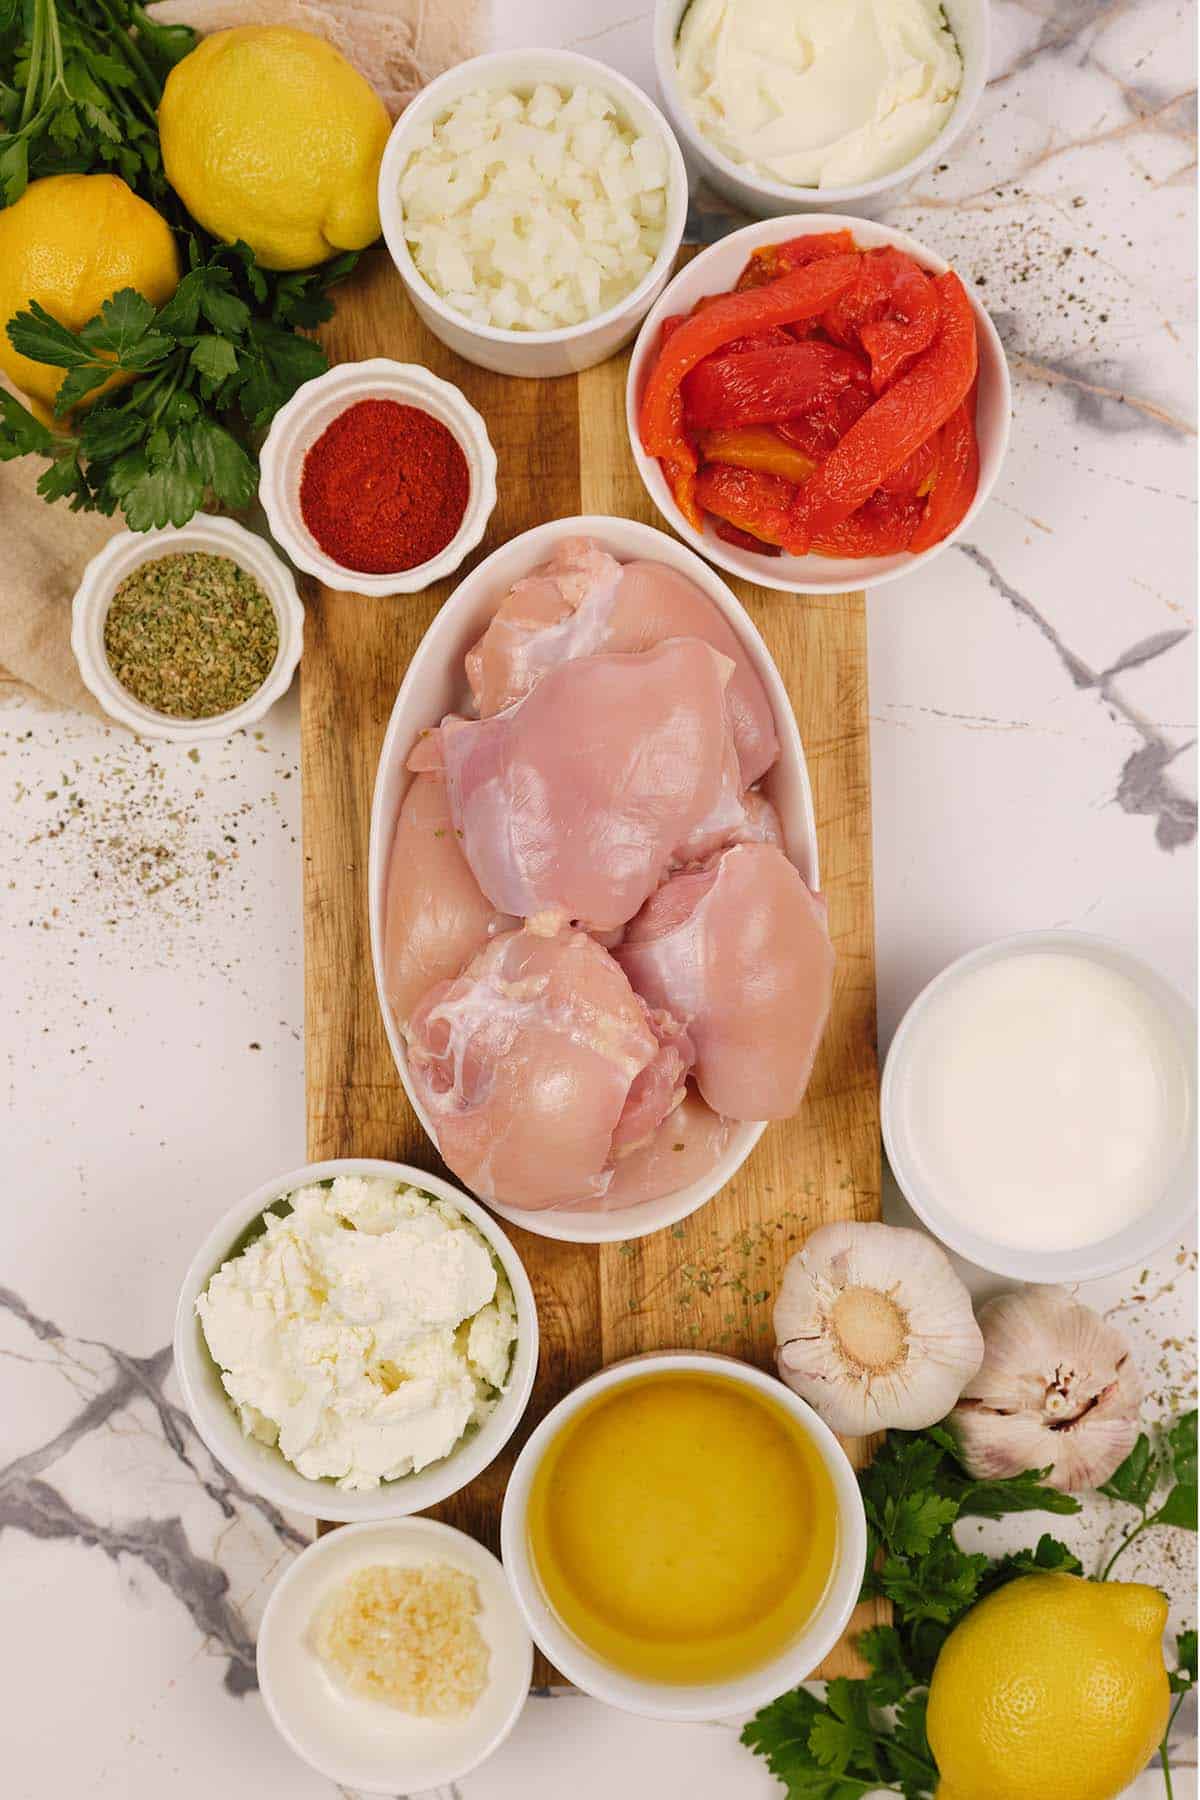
<point>1032,704</point>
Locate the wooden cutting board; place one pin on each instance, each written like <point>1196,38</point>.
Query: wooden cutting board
<point>709,1282</point>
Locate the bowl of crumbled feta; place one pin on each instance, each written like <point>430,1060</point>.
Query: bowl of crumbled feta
<point>533,203</point>
<point>356,1340</point>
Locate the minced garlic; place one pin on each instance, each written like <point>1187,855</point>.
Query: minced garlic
<point>407,1637</point>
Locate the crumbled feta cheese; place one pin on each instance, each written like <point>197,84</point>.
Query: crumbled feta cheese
<point>339,1332</point>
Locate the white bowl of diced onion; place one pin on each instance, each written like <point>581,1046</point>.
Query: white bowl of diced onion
<point>533,203</point>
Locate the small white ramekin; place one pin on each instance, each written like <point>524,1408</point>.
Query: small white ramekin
<point>261,1467</point>
<point>536,354</point>
<point>127,552</point>
<point>969,21</point>
<point>313,408</point>
<point>671,1700</point>
<point>715,271</point>
<point>1174,1208</point>
<point>359,1743</point>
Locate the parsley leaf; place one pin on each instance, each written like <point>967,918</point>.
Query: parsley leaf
<point>122,330</point>
<point>1181,1441</point>
<point>1134,1481</point>
<point>842,1737</point>
<point>35,333</point>
<point>20,433</point>
<point>882,1651</point>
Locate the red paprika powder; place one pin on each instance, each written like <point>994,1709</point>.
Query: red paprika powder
<point>384,487</point>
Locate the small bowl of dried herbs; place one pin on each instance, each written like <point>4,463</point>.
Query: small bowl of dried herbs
<point>187,633</point>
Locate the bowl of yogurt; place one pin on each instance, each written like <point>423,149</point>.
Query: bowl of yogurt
<point>1039,1107</point>
<point>833,105</point>
<point>356,1340</point>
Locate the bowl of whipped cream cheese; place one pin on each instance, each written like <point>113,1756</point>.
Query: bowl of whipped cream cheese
<point>834,105</point>
<point>356,1340</point>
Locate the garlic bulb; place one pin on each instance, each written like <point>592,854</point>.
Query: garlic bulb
<point>874,1329</point>
<point>1057,1390</point>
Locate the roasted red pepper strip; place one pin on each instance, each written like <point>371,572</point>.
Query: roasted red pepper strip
<point>757,504</point>
<point>816,433</point>
<point>891,311</point>
<point>916,474</point>
<point>800,295</point>
<point>756,447</point>
<point>760,506</point>
<point>680,474</point>
<point>883,527</point>
<point>957,478</point>
<point>774,260</point>
<point>756,387</point>
<point>898,424</point>
<point>743,540</point>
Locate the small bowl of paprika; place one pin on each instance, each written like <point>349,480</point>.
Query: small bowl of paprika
<point>378,477</point>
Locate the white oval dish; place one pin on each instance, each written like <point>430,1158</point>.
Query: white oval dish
<point>127,551</point>
<point>970,21</point>
<point>715,271</point>
<point>261,1467</point>
<point>436,684</point>
<point>534,354</point>
<point>669,1700</point>
<point>313,408</point>
<point>365,1744</point>
<point>1169,1217</point>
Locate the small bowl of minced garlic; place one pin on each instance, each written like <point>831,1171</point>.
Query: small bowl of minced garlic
<point>393,1657</point>
<point>356,1340</point>
<point>190,633</point>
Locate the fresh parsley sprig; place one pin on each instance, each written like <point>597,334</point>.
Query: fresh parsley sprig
<point>1168,1460</point>
<point>210,370</point>
<point>914,1492</point>
<point>80,81</point>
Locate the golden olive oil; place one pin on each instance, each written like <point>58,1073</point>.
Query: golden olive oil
<point>683,1527</point>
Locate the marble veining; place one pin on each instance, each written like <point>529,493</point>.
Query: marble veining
<point>1144,784</point>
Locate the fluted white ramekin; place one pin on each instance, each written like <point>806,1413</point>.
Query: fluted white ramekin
<point>127,552</point>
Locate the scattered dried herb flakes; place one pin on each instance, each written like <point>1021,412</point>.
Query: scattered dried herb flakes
<point>191,635</point>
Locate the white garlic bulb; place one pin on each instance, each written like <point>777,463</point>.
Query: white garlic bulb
<point>1057,1390</point>
<point>874,1329</point>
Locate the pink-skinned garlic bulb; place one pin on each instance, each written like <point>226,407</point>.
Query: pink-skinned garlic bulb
<point>874,1329</point>
<point>1058,1390</point>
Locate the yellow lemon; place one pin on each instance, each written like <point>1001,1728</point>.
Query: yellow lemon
<point>269,134</point>
<point>72,241</point>
<point>1053,1688</point>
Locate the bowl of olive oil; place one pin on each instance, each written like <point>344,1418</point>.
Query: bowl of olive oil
<point>684,1536</point>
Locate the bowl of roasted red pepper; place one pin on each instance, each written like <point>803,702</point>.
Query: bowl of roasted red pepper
<point>818,404</point>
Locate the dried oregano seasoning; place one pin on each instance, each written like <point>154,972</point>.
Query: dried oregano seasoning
<point>191,634</point>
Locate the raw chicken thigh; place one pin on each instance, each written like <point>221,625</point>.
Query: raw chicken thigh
<point>739,951</point>
<point>537,1063</point>
<point>688,1144</point>
<point>435,917</point>
<point>583,602</point>
<point>574,803</point>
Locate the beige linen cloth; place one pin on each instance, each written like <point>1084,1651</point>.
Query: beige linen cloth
<point>398,45</point>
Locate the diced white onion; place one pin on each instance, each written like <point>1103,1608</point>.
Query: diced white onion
<point>534,213</point>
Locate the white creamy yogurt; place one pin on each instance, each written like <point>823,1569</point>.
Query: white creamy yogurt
<point>819,93</point>
<point>1046,1100</point>
<point>363,1332</point>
